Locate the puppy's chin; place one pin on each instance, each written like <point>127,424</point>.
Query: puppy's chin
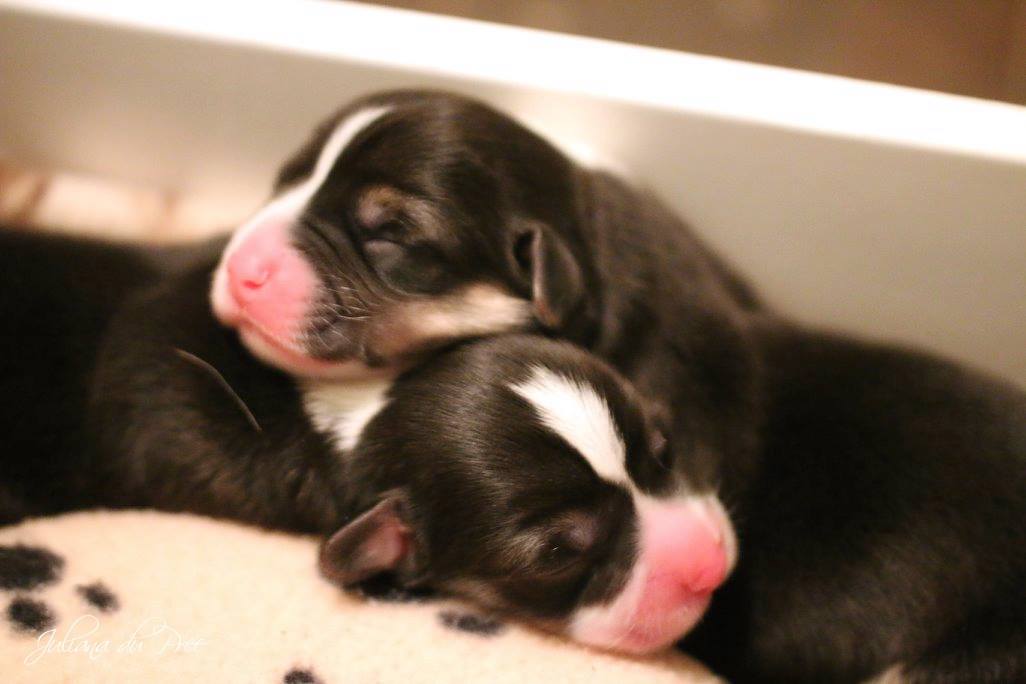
<point>296,363</point>
<point>642,637</point>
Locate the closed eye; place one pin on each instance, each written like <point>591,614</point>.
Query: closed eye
<point>391,230</point>
<point>381,249</point>
<point>570,539</point>
<point>410,268</point>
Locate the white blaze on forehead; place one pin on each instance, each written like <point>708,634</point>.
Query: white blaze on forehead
<point>578,414</point>
<point>286,207</point>
<point>290,203</point>
<point>342,410</point>
<point>344,132</point>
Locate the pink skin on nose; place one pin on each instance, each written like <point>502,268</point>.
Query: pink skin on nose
<point>269,283</point>
<point>683,556</point>
<point>685,553</point>
<point>264,289</point>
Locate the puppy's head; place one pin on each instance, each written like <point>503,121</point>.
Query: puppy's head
<point>409,220</point>
<point>526,475</point>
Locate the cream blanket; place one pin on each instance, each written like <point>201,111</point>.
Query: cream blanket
<point>140,596</point>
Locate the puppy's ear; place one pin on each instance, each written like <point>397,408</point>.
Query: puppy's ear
<point>557,283</point>
<point>376,542</point>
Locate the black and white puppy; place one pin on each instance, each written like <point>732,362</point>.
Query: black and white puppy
<point>521,473</point>
<point>517,471</point>
<point>412,219</point>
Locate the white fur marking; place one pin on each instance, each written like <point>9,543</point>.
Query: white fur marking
<point>339,139</point>
<point>343,409</point>
<point>578,414</point>
<point>287,206</point>
<point>291,202</point>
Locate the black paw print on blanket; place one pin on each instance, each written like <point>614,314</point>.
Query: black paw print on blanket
<point>383,590</point>
<point>24,569</point>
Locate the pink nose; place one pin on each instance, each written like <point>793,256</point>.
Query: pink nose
<point>271,281</point>
<point>249,270</point>
<point>684,550</point>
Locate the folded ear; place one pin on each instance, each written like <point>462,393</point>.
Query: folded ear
<point>378,541</point>
<point>557,283</point>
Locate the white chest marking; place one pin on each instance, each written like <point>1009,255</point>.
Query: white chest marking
<point>577,413</point>
<point>342,410</point>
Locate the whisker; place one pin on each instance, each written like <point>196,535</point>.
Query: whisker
<point>200,363</point>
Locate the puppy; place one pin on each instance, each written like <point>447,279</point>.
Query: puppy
<point>518,472</point>
<point>523,474</point>
<point>881,529</point>
<point>412,219</point>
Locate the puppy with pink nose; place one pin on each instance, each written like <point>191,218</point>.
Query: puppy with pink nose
<point>570,513</point>
<point>352,266</point>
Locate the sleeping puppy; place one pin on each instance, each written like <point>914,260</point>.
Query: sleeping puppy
<point>882,533</point>
<point>412,219</point>
<point>518,472</point>
<point>523,474</point>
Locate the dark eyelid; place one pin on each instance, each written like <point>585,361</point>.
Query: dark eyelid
<point>574,531</point>
<point>393,229</point>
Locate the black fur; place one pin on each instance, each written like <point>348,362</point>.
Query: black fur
<point>885,523</point>
<point>58,297</point>
<point>165,433</point>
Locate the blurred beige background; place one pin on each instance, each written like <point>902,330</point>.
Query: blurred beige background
<point>968,47</point>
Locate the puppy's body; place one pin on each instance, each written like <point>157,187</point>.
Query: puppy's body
<point>886,524</point>
<point>56,300</point>
<point>97,404</point>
